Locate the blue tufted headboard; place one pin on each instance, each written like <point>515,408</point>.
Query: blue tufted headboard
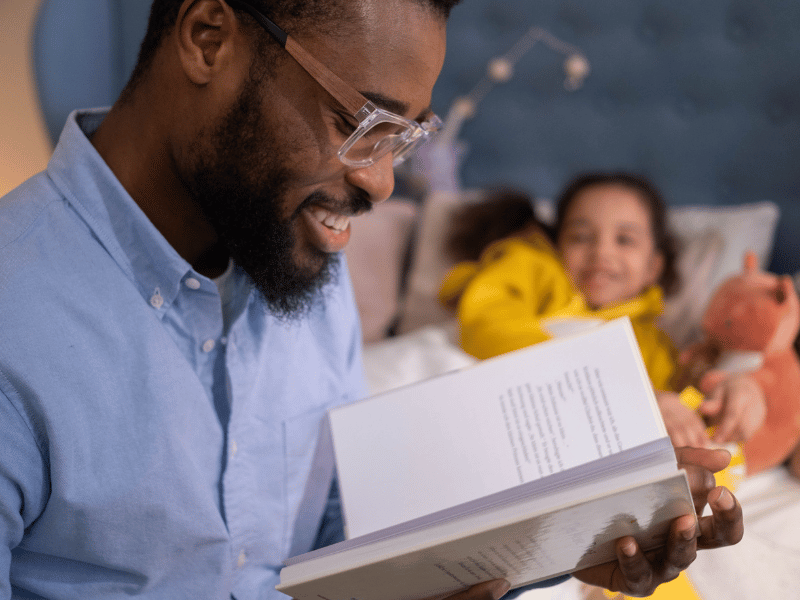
<point>703,97</point>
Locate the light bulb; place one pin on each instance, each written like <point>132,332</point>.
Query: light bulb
<point>465,107</point>
<point>500,70</point>
<point>577,68</point>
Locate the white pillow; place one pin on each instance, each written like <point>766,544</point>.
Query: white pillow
<point>712,242</point>
<point>375,256</point>
<point>743,227</point>
<point>430,262</point>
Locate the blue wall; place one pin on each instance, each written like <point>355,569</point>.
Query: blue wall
<point>703,97</point>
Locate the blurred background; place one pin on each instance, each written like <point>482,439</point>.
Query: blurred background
<point>703,97</point>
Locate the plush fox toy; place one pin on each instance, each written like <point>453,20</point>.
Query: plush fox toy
<point>750,325</point>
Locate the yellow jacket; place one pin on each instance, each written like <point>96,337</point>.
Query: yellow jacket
<point>506,301</point>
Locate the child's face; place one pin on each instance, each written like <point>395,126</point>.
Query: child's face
<point>607,245</point>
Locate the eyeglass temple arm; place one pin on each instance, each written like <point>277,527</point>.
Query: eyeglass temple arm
<point>349,98</point>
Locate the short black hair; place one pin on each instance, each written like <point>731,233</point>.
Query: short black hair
<point>289,14</point>
<point>654,202</point>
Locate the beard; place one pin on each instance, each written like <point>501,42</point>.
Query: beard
<point>241,184</point>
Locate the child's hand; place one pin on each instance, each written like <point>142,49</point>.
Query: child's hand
<point>735,407</point>
<point>684,426</point>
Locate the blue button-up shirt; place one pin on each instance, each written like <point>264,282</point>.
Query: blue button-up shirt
<point>143,449</point>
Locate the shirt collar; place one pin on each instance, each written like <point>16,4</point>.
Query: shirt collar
<point>89,185</point>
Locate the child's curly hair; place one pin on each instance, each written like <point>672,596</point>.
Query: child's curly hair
<point>502,213</point>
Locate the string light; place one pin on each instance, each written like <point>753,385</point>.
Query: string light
<point>501,70</point>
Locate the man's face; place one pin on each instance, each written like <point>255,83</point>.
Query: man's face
<point>266,173</point>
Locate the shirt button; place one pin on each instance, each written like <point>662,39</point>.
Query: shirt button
<point>192,283</point>
<point>208,345</point>
<point>156,300</point>
<point>242,559</point>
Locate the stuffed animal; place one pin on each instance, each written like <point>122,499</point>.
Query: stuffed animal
<point>794,462</point>
<point>750,325</point>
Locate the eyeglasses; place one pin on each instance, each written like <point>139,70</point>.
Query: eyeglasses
<point>379,131</point>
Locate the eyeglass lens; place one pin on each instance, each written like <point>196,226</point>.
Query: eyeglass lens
<point>378,140</point>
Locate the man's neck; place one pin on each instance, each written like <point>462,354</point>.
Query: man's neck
<point>138,153</point>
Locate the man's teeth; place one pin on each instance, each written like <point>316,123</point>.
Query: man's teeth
<point>336,222</point>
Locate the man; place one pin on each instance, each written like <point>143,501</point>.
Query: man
<point>177,317</point>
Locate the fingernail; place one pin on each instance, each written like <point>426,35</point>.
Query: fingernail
<point>725,499</point>
<point>629,548</point>
<point>499,588</point>
<point>688,534</point>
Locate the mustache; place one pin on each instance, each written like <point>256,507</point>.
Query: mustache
<point>356,203</point>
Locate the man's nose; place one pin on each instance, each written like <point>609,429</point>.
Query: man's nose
<point>377,180</point>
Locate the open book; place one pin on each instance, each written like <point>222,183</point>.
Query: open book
<point>525,466</point>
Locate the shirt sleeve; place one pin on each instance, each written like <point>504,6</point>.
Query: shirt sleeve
<point>502,307</point>
<point>23,484</point>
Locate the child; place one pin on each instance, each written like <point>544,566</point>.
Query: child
<point>613,256</point>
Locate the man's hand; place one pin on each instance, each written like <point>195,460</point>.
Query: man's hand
<point>684,426</point>
<point>636,573</point>
<point>736,407</point>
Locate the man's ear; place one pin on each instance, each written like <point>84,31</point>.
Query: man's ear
<point>205,30</point>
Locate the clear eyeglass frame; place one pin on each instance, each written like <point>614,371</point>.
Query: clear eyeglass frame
<point>379,131</point>
<point>390,132</point>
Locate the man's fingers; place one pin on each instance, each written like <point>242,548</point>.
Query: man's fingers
<point>701,478</point>
<point>638,574</point>
<point>725,526</point>
<point>713,460</point>
<point>681,549</point>
<point>634,573</point>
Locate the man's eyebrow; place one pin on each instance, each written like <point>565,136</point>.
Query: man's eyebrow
<point>398,107</point>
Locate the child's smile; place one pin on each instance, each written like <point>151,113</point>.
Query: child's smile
<point>607,245</point>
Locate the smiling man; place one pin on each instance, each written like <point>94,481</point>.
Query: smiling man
<point>177,316</point>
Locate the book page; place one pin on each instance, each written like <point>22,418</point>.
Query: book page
<point>503,422</point>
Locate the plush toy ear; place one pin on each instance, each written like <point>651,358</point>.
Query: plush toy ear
<point>789,322</point>
<point>750,262</point>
